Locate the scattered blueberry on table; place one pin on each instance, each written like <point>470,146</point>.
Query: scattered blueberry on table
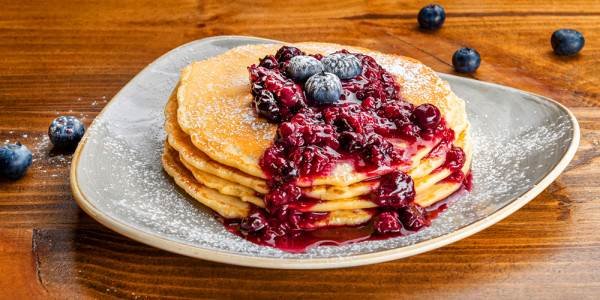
<point>301,67</point>
<point>466,60</point>
<point>431,16</point>
<point>344,66</point>
<point>324,88</point>
<point>15,160</point>
<point>567,41</point>
<point>66,132</point>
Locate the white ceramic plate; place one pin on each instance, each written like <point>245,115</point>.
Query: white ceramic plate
<point>522,142</point>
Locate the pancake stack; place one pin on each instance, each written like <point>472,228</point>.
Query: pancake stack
<point>215,140</point>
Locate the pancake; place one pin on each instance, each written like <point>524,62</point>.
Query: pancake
<point>216,140</point>
<point>217,116</point>
<point>239,180</point>
<point>234,208</point>
<point>227,206</point>
<point>341,212</point>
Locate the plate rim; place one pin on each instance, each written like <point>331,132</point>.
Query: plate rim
<point>314,263</point>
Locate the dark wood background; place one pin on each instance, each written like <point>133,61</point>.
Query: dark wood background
<point>71,57</point>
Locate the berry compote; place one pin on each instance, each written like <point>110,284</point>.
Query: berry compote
<point>370,127</point>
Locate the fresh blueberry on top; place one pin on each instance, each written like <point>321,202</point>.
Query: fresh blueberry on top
<point>324,88</point>
<point>344,66</point>
<point>15,160</point>
<point>466,60</point>
<point>302,67</point>
<point>567,41</point>
<point>286,53</point>
<point>66,132</point>
<point>431,16</point>
<point>426,115</point>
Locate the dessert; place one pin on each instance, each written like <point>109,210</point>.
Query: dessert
<point>316,144</point>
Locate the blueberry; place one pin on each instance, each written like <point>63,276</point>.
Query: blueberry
<point>466,60</point>
<point>324,88</point>
<point>431,16</point>
<point>345,66</point>
<point>567,41</point>
<point>426,115</point>
<point>266,105</point>
<point>15,160</point>
<point>66,132</point>
<point>268,62</point>
<point>302,67</point>
<point>253,223</point>
<point>286,53</point>
<point>387,222</point>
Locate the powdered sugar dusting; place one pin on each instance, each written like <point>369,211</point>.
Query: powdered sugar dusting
<point>120,171</point>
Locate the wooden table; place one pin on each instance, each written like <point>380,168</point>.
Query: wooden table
<point>71,57</point>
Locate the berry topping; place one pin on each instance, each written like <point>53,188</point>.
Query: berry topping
<point>386,223</point>
<point>396,190</point>
<point>413,217</point>
<point>567,41</point>
<point>286,53</point>
<point>354,116</point>
<point>431,16</point>
<point>466,60</point>
<point>281,195</point>
<point>66,132</point>
<point>302,67</point>
<point>455,159</point>
<point>324,88</point>
<point>426,115</point>
<point>254,222</point>
<point>15,160</point>
<point>268,62</point>
<point>266,106</point>
<point>344,66</point>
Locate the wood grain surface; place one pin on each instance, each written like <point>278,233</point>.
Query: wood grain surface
<point>71,57</point>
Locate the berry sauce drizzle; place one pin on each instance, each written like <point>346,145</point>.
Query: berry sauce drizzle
<point>298,241</point>
<point>364,128</point>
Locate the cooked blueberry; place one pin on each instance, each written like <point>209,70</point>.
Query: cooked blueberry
<point>268,62</point>
<point>266,106</point>
<point>413,217</point>
<point>567,41</point>
<point>396,190</point>
<point>281,195</point>
<point>286,53</point>
<point>15,160</point>
<point>344,66</point>
<point>466,60</point>
<point>66,132</point>
<point>431,16</point>
<point>387,222</point>
<point>455,159</point>
<point>352,141</point>
<point>302,67</point>
<point>426,115</point>
<point>324,88</point>
<point>254,222</point>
